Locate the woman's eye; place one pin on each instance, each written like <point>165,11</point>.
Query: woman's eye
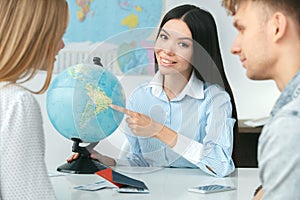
<point>163,36</point>
<point>182,44</point>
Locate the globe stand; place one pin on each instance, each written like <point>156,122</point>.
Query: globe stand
<point>83,164</point>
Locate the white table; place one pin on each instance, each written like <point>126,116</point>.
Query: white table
<point>163,183</point>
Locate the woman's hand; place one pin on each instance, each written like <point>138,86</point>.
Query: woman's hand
<point>73,157</point>
<point>144,126</point>
<point>140,124</point>
<point>258,193</point>
<point>97,156</point>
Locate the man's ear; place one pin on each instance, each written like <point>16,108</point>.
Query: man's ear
<point>279,26</point>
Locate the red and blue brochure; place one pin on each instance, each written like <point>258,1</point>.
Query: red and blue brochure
<point>124,183</point>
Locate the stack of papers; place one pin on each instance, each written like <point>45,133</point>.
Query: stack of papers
<point>257,122</point>
<point>95,186</point>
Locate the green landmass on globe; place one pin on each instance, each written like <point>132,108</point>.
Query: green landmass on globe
<point>78,102</point>
<point>97,99</point>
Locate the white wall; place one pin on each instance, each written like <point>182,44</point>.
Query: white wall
<point>253,99</point>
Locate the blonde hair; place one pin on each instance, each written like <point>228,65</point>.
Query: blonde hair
<point>290,7</point>
<point>30,31</point>
<point>230,6</point>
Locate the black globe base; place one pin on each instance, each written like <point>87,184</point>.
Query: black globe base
<point>83,164</point>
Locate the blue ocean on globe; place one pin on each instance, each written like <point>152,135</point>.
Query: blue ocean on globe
<point>78,102</point>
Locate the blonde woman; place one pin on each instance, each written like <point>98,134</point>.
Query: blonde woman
<point>28,43</point>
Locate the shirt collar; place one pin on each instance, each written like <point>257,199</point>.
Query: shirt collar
<point>194,88</point>
<point>290,92</point>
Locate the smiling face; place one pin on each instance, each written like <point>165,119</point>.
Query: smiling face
<point>252,43</point>
<point>174,48</point>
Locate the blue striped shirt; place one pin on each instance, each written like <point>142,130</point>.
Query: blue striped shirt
<point>200,114</point>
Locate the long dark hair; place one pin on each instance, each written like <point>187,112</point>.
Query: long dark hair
<point>207,61</point>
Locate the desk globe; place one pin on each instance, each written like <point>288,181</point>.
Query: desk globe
<point>77,104</point>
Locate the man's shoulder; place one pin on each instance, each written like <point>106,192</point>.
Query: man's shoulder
<point>292,109</point>
<point>285,124</point>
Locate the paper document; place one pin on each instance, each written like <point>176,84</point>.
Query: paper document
<point>95,186</point>
<point>256,122</point>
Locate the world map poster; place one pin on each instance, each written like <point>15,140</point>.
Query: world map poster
<point>122,30</point>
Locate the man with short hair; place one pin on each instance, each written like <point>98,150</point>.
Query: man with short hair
<point>268,44</point>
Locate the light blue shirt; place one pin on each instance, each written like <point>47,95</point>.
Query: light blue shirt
<point>200,114</point>
<point>279,146</point>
